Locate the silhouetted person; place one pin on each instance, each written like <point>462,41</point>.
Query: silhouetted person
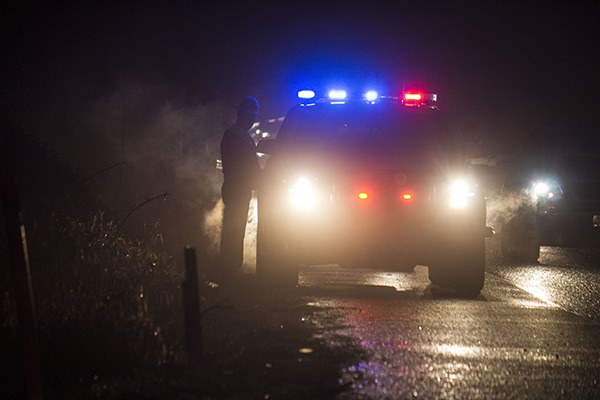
<point>240,171</point>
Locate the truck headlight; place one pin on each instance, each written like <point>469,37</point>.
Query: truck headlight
<point>460,192</point>
<point>303,194</point>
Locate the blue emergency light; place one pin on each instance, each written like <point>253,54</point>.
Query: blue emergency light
<point>337,94</point>
<point>371,95</point>
<point>306,94</point>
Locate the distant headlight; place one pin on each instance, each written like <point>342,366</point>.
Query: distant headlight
<point>541,189</point>
<point>460,191</point>
<point>545,190</point>
<point>303,194</point>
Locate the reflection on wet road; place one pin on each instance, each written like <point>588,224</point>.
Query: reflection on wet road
<point>515,341</point>
<point>569,278</point>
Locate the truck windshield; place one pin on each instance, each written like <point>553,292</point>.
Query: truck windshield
<point>369,132</point>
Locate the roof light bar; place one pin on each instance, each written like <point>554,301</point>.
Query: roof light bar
<point>308,97</point>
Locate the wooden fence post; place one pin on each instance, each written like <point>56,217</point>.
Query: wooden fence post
<point>20,282</point>
<point>191,304</point>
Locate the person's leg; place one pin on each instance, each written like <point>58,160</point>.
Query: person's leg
<point>235,215</point>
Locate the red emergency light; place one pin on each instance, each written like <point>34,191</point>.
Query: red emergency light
<point>419,99</point>
<point>413,96</point>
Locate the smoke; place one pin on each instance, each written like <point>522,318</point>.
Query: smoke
<point>503,206</point>
<point>165,146</point>
<point>212,224</point>
<point>158,143</point>
<point>505,197</point>
<point>250,238</point>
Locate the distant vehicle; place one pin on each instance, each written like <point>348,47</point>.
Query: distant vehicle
<point>558,179</point>
<point>370,181</point>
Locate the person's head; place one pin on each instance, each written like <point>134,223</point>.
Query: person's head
<point>247,112</point>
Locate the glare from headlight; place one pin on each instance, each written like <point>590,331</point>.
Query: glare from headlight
<point>459,193</point>
<point>303,194</point>
<point>548,189</point>
<point>541,189</point>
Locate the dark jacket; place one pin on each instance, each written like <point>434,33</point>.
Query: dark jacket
<point>240,163</point>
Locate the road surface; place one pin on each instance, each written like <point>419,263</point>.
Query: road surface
<point>533,332</point>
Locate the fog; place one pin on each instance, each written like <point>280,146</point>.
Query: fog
<point>138,141</point>
<point>501,207</point>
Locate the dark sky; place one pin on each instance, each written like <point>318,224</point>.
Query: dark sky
<point>535,62</point>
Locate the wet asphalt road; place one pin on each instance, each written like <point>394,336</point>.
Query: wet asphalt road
<point>533,332</point>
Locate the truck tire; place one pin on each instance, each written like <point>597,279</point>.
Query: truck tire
<point>520,239</point>
<point>461,267</point>
<point>469,270</point>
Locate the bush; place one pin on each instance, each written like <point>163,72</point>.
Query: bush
<point>105,303</point>
<point>108,298</point>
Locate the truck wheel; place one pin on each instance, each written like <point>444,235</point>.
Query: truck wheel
<point>463,270</point>
<point>469,270</point>
<point>520,239</point>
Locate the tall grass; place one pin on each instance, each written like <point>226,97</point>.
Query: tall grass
<point>108,301</point>
<point>108,305</point>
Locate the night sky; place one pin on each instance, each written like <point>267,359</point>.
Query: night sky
<point>492,63</point>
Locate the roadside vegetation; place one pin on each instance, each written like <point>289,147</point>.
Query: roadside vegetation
<point>105,297</point>
<point>107,273</point>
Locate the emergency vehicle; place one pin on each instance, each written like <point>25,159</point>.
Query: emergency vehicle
<point>558,178</point>
<point>370,180</point>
